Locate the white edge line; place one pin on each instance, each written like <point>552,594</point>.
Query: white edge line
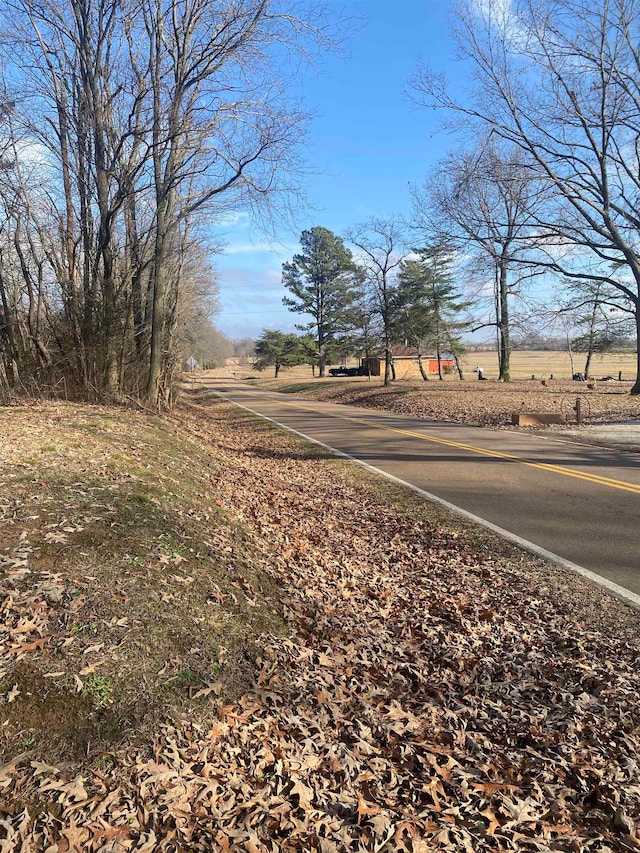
<point>626,595</point>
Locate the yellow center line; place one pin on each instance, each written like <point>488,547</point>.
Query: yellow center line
<point>543,466</point>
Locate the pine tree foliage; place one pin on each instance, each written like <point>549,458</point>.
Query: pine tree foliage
<point>280,349</point>
<point>322,280</point>
<point>430,305</point>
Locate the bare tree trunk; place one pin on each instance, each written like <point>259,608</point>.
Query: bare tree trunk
<point>162,212</point>
<point>89,296</point>
<point>322,358</point>
<point>423,373</point>
<point>157,304</point>
<point>458,365</point>
<point>503,320</point>
<point>135,265</point>
<point>69,221</point>
<point>570,351</point>
<point>438,351</point>
<point>592,333</point>
<point>6,332</point>
<point>111,331</point>
<point>389,374</point>
<point>32,302</point>
<point>587,364</point>
<point>321,362</point>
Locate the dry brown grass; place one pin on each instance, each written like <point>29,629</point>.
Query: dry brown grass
<point>526,363</point>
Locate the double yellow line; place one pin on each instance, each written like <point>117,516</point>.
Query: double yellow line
<point>609,482</point>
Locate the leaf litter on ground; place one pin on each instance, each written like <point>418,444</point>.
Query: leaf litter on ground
<point>488,403</point>
<point>431,689</point>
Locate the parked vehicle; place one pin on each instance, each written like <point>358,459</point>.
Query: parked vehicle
<point>343,370</point>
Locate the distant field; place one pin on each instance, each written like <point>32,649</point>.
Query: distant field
<point>524,364</point>
<point>473,402</point>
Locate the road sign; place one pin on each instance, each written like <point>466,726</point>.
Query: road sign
<point>192,363</point>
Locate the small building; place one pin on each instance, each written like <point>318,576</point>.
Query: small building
<point>405,361</point>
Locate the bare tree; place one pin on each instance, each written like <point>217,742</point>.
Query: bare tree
<point>193,304</point>
<point>23,266</point>
<point>485,201</point>
<point>561,81</point>
<point>594,318</point>
<point>152,113</point>
<point>366,336</point>
<point>197,53</point>
<point>381,244</point>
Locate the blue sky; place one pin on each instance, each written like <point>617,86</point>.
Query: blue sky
<point>367,145</point>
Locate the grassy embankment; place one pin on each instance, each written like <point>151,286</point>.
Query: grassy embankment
<point>214,637</point>
<point>127,581</point>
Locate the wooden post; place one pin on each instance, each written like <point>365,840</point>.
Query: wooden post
<point>578,408</point>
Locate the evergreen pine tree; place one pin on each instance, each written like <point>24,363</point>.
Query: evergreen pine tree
<point>431,305</point>
<point>322,282</point>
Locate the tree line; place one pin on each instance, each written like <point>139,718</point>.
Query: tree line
<point>372,300</point>
<point>365,301</point>
<point>127,127</point>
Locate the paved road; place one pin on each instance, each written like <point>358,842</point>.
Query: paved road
<point>579,502</point>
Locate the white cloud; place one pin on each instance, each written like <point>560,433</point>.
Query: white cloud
<point>248,248</point>
<point>501,16</point>
<point>237,218</point>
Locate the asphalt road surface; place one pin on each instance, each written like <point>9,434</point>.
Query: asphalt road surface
<point>579,502</point>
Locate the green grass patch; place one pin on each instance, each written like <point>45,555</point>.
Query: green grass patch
<point>99,688</point>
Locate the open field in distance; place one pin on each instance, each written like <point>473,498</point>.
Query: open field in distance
<point>524,364</point>
<point>489,403</point>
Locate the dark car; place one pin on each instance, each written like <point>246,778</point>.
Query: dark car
<point>347,371</point>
